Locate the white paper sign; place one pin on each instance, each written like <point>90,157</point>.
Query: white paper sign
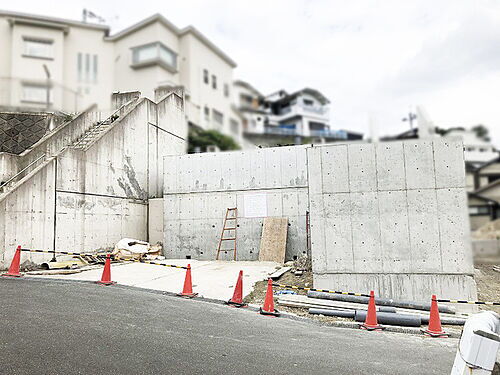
<point>255,205</point>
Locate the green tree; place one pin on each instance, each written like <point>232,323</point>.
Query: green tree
<point>482,132</point>
<point>203,138</point>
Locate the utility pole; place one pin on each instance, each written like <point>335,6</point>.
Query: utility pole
<point>411,117</point>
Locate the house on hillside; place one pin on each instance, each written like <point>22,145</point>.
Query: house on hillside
<point>286,118</point>
<point>53,64</point>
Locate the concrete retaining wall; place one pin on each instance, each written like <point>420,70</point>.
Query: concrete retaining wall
<point>200,187</point>
<point>90,198</point>
<point>391,217</point>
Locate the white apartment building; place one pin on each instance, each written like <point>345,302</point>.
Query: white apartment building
<point>285,117</point>
<point>58,64</point>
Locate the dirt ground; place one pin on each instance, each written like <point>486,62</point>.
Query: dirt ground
<point>487,279</point>
<point>488,285</point>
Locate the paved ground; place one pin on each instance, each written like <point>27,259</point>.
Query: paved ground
<point>68,327</point>
<point>211,279</point>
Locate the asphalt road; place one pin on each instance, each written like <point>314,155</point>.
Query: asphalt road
<point>67,327</point>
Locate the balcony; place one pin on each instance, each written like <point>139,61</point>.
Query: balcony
<point>328,133</point>
<point>280,131</point>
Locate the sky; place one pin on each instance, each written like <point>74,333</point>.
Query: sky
<point>374,59</point>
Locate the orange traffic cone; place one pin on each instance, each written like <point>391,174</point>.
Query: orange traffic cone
<point>237,300</point>
<point>434,329</point>
<point>187,291</point>
<point>106,273</point>
<point>370,323</point>
<point>14,266</point>
<point>268,308</point>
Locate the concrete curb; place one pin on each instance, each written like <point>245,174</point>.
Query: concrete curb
<point>250,307</point>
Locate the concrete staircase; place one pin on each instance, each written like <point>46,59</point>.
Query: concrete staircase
<point>99,128</point>
<point>78,133</point>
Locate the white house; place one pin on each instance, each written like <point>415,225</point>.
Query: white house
<point>60,64</point>
<point>286,118</point>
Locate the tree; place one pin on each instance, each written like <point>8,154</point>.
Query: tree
<point>198,138</point>
<point>482,132</point>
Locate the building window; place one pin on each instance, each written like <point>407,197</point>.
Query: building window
<point>87,67</point>
<point>36,93</point>
<point>154,52</point>
<point>205,76</point>
<point>226,90</point>
<point>207,113</point>
<point>214,81</point>
<point>41,48</point>
<point>308,102</point>
<point>79,64</point>
<point>218,117</point>
<point>94,69</point>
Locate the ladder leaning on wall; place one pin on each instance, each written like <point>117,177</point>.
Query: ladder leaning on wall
<point>233,224</point>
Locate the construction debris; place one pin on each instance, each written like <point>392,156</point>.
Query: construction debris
<point>129,248</point>
<point>278,273</point>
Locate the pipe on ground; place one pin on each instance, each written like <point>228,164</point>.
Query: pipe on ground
<point>339,313</point>
<point>404,320</point>
<point>379,301</point>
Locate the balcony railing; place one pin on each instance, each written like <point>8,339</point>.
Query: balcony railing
<point>280,131</point>
<point>328,133</point>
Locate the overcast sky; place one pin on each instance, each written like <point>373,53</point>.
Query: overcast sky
<point>372,58</point>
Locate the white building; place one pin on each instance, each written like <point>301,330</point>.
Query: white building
<point>286,118</point>
<point>86,64</point>
<point>476,150</point>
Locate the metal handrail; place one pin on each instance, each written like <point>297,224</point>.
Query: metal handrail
<point>106,121</point>
<point>21,171</point>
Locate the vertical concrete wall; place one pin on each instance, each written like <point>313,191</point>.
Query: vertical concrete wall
<point>200,187</point>
<point>391,217</point>
<point>90,198</point>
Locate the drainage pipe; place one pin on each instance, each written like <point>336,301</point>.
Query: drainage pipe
<point>379,301</point>
<point>404,320</point>
<point>339,313</point>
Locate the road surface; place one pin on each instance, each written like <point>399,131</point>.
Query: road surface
<point>69,327</point>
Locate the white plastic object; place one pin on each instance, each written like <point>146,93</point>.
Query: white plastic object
<point>479,344</point>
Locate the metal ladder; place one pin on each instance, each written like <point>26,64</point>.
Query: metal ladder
<point>234,221</point>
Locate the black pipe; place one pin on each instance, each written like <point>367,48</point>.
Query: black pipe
<point>379,301</point>
<point>404,320</point>
<point>328,312</point>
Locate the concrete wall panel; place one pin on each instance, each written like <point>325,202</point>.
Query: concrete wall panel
<point>390,166</point>
<point>419,164</point>
<point>362,167</point>
<point>335,169</point>
<point>448,163</point>
<point>366,232</point>
<point>338,232</point>
<point>424,231</point>
<point>454,230</point>
<point>394,231</point>
<point>398,234</point>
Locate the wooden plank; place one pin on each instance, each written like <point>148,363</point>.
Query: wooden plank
<point>273,240</point>
<point>277,274</point>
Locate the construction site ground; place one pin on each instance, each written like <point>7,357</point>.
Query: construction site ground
<point>211,279</point>
<point>487,279</point>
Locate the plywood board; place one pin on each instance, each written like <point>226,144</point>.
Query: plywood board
<point>273,240</point>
